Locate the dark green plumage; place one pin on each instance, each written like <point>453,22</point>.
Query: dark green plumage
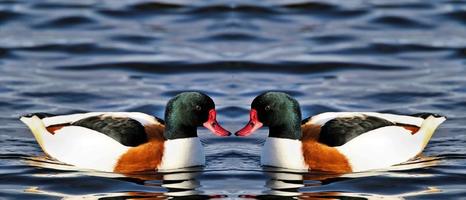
<point>280,112</point>
<point>185,112</point>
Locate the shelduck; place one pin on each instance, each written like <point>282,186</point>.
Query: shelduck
<point>336,141</point>
<point>129,141</point>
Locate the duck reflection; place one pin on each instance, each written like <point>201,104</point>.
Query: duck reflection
<point>183,183</point>
<point>190,183</point>
<point>308,186</point>
<point>166,185</point>
<point>289,184</point>
<point>321,185</point>
<point>175,183</point>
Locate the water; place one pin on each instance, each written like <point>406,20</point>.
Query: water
<point>386,56</point>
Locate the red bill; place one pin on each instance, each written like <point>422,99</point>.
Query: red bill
<point>214,126</point>
<point>252,125</point>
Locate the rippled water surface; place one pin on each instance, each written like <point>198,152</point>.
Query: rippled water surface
<point>98,55</point>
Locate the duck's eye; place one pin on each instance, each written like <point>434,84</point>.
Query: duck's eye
<point>198,107</point>
<point>267,108</point>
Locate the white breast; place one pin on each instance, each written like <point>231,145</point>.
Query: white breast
<point>284,153</point>
<point>181,153</point>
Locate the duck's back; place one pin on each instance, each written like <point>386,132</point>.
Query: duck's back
<point>96,140</point>
<point>378,141</point>
<point>338,128</point>
<point>126,131</point>
<point>127,128</point>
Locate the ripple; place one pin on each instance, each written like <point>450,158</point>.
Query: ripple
<point>330,39</point>
<point>405,5</point>
<point>459,53</point>
<point>147,108</point>
<point>176,92</point>
<point>233,111</point>
<point>402,97</point>
<point>134,39</point>
<point>66,22</point>
<point>64,96</point>
<point>311,6</point>
<point>118,13</point>
<point>7,16</point>
<point>82,48</point>
<point>325,10</point>
<point>57,5</point>
<point>384,48</point>
<point>458,15</point>
<point>154,6</point>
<point>222,9</point>
<point>233,37</point>
<point>68,57</point>
<point>142,9</point>
<point>5,52</point>
<point>401,48</point>
<point>292,67</point>
<point>398,21</point>
<point>317,108</point>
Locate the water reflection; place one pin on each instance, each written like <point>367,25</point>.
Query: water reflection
<point>316,185</point>
<point>155,185</point>
<point>309,186</point>
<point>79,56</point>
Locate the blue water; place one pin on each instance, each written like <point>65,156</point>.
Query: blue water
<point>91,55</point>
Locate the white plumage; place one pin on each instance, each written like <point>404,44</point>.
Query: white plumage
<point>86,148</point>
<point>63,119</point>
<point>387,146</point>
<point>283,152</point>
<point>378,148</point>
<point>77,146</point>
<point>323,118</point>
<point>183,152</point>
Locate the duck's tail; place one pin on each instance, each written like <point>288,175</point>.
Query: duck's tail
<point>38,129</point>
<point>428,127</point>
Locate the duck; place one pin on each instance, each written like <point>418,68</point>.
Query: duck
<point>127,142</point>
<point>339,142</point>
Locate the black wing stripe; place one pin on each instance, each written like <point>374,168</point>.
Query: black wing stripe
<point>127,131</point>
<point>425,115</point>
<point>40,115</point>
<point>339,131</point>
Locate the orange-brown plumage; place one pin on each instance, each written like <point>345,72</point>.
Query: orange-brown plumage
<point>53,128</point>
<point>310,131</point>
<point>146,156</point>
<point>336,141</point>
<point>322,157</point>
<point>413,129</point>
<point>319,156</point>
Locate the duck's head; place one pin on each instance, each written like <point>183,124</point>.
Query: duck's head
<point>189,110</point>
<point>276,110</point>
